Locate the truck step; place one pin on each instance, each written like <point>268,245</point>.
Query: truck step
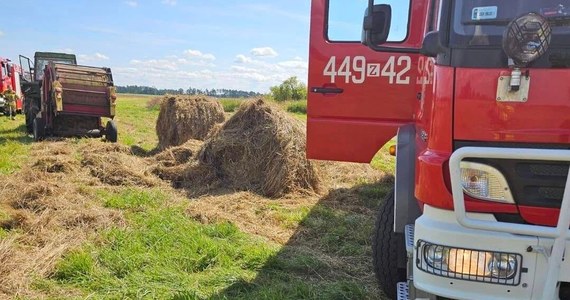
<point>402,291</point>
<point>409,237</point>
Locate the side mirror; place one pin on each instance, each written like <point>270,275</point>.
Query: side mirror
<point>432,45</point>
<point>376,25</point>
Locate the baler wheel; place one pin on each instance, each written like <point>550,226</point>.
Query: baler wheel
<point>111,133</point>
<point>39,129</point>
<point>387,248</point>
<point>30,114</point>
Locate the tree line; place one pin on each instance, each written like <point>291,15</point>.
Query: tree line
<point>220,93</point>
<point>291,89</point>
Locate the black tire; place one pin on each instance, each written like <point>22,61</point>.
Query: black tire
<point>111,133</point>
<point>30,113</point>
<point>387,249</point>
<point>39,129</point>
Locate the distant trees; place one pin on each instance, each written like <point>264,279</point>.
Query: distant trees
<point>220,93</point>
<point>290,89</point>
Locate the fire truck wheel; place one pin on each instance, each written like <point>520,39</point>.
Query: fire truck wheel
<point>387,248</point>
<point>111,131</point>
<point>39,129</point>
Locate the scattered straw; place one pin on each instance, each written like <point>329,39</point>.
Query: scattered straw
<point>114,165</point>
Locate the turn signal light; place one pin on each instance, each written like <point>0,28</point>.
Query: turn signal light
<point>485,182</point>
<point>393,150</point>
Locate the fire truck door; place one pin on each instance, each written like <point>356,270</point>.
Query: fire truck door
<point>358,98</point>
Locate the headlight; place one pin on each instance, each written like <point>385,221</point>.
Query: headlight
<point>527,38</point>
<point>469,264</point>
<point>485,182</point>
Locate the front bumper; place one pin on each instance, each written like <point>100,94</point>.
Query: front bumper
<point>441,227</point>
<point>541,249</point>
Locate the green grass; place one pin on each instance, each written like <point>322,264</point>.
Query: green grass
<point>231,105</point>
<point>161,254</point>
<point>14,144</point>
<point>164,254</point>
<point>297,107</point>
<point>383,160</point>
<point>136,121</point>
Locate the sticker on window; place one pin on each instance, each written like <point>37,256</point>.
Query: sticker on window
<point>484,13</point>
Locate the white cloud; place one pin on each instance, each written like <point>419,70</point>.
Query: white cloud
<point>90,58</point>
<point>64,50</point>
<point>242,59</point>
<point>132,3</point>
<point>198,54</point>
<point>101,56</point>
<point>244,69</point>
<point>264,51</point>
<point>1,33</point>
<point>193,68</point>
<point>294,64</point>
<point>169,2</point>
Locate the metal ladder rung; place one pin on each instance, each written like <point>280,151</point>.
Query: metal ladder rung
<point>402,288</point>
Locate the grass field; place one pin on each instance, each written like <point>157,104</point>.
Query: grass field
<point>163,245</point>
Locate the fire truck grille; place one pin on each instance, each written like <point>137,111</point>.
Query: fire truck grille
<point>547,170</point>
<point>533,183</point>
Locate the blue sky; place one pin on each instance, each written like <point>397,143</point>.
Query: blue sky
<point>246,44</point>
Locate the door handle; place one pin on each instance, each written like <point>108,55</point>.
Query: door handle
<point>326,90</point>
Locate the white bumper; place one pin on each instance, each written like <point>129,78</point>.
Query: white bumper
<point>441,227</point>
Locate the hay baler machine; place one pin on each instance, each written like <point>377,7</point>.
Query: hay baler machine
<point>68,99</point>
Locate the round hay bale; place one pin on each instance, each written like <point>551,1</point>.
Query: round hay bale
<point>184,118</point>
<point>261,149</point>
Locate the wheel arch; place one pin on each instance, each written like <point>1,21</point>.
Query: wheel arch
<point>406,208</point>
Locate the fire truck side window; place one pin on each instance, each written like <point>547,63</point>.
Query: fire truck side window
<point>345,20</point>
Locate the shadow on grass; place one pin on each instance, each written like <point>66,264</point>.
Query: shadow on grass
<point>141,152</point>
<point>329,255</point>
<point>17,134</point>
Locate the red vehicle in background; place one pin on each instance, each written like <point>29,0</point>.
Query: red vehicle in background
<point>477,94</point>
<point>10,77</point>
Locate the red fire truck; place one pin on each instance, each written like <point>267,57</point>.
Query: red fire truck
<point>10,77</point>
<point>476,93</point>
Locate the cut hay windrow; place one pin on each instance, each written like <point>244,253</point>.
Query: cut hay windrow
<point>50,214</point>
<point>115,165</point>
<point>261,149</point>
<point>185,118</point>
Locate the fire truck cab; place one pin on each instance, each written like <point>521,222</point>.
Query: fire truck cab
<point>476,93</point>
<point>10,77</point>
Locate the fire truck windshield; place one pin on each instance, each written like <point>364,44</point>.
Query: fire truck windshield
<point>483,22</point>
